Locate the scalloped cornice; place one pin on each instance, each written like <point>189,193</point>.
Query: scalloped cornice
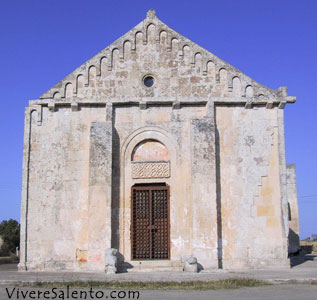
<point>110,72</point>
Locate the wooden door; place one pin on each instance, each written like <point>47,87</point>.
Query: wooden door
<point>150,234</point>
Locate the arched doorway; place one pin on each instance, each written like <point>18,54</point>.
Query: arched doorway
<point>150,225</point>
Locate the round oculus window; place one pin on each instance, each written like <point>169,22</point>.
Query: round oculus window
<point>148,81</point>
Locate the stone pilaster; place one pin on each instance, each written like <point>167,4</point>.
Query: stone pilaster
<point>293,235</point>
<point>24,195</point>
<point>203,168</point>
<point>25,181</point>
<point>282,162</point>
<point>100,180</point>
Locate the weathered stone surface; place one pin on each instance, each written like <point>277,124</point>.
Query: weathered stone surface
<point>190,264</point>
<point>100,191</point>
<point>179,67</point>
<point>223,135</point>
<point>111,261</point>
<point>293,235</point>
<point>251,206</point>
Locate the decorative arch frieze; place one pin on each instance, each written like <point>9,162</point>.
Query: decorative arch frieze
<point>157,27</point>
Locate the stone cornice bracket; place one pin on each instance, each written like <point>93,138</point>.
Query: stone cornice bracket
<point>74,105</point>
<point>282,104</point>
<point>269,105</point>
<point>176,105</point>
<point>290,99</point>
<point>109,112</point>
<point>51,105</point>
<point>248,104</point>
<point>142,105</point>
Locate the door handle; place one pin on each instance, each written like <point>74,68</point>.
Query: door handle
<point>152,228</point>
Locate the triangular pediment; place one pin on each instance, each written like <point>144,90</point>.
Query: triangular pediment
<point>180,68</point>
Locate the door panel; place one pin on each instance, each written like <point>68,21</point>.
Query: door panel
<point>150,223</point>
<point>160,236</point>
<point>141,222</point>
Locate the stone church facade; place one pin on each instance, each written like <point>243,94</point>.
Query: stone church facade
<point>160,149</point>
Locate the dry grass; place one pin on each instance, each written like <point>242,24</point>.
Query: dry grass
<point>233,283</point>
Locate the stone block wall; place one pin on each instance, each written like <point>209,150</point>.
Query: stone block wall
<point>57,190</point>
<point>250,187</point>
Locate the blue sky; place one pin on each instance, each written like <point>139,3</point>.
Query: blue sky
<point>274,42</point>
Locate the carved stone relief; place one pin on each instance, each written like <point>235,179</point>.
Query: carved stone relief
<point>159,169</point>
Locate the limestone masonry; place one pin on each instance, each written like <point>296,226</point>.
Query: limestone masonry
<point>161,150</point>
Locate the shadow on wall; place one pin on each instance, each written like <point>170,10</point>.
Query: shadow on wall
<point>293,243</point>
<point>218,192</point>
<point>115,191</point>
<point>294,250</point>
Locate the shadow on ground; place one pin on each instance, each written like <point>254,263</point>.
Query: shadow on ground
<point>301,259</point>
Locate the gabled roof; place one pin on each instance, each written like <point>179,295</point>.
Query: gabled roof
<point>219,78</point>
